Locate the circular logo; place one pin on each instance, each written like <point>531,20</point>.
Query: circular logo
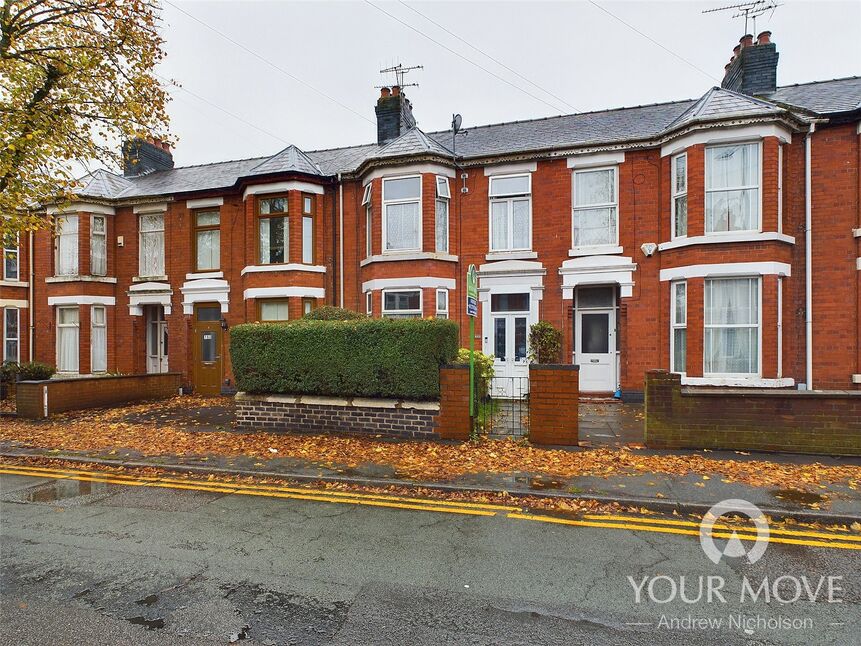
<point>734,546</point>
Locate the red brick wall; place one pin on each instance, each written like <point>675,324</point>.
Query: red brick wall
<point>454,422</point>
<point>94,392</point>
<point>826,422</point>
<point>554,395</point>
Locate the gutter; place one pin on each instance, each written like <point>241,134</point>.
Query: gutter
<point>808,258</point>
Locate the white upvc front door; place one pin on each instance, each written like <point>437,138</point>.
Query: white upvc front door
<point>156,339</point>
<point>595,345</point>
<point>509,348</point>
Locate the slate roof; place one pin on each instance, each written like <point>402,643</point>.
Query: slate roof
<point>567,131</point>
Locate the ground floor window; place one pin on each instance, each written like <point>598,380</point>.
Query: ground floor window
<point>11,334</point>
<point>402,304</point>
<point>731,335</point>
<point>67,339</point>
<point>98,339</point>
<point>369,303</point>
<point>679,326</point>
<point>442,303</point>
<point>308,305</point>
<point>273,310</point>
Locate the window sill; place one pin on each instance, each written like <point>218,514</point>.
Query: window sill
<point>14,283</point>
<point>600,250</point>
<point>408,255</point>
<point>80,279</point>
<point>751,382</point>
<point>149,279</point>
<point>204,274</point>
<point>290,266</point>
<point>726,238</point>
<point>511,255</point>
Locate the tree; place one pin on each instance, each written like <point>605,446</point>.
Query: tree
<point>76,78</point>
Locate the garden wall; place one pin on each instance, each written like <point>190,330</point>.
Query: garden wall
<point>825,422</point>
<point>39,399</point>
<point>554,396</point>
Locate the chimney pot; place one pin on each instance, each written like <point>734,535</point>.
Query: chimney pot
<point>727,66</point>
<point>764,38</point>
<point>396,90</point>
<point>736,50</point>
<point>385,92</point>
<point>746,40</point>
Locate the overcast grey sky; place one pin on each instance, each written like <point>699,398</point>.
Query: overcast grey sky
<point>573,50</point>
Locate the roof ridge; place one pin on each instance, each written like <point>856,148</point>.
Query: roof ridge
<point>841,78</point>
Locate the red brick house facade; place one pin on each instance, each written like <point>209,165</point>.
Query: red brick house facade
<point>719,238</point>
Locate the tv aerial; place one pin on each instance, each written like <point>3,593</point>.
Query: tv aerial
<point>400,72</point>
<point>750,10</point>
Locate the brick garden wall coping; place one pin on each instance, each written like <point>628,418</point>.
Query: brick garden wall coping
<point>357,402</point>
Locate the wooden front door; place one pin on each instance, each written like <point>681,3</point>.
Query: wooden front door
<point>206,348</point>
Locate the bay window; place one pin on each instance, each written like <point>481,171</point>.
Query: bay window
<point>402,214</point>
<point>98,339</point>
<point>99,246</point>
<point>67,339</point>
<point>207,240</point>
<point>274,310</point>
<point>369,303</point>
<point>443,197</point>
<point>680,195</point>
<point>402,304</point>
<point>12,334</point>
<point>66,245</point>
<point>11,270</point>
<point>511,213</point>
<point>308,305</point>
<point>732,188</point>
<point>442,303</point>
<point>731,335</point>
<point>366,202</point>
<point>596,207</point>
<point>273,230</point>
<point>308,229</point>
<point>678,326</point>
<point>151,245</point>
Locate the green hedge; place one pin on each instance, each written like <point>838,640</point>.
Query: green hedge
<point>396,358</point>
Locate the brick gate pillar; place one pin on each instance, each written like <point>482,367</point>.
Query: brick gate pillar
<point>554,396</point>
<point>454,422</point>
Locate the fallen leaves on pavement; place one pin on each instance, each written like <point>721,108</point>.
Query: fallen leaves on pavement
<point>168,428</point>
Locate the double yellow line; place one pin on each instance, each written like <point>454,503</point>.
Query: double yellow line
<point>645,523</point>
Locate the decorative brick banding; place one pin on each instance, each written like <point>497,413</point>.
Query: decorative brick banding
<point>310,414</point>
<point>825,422</point>
<point>39,399</point>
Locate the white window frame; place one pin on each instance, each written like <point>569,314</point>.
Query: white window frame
<point>508,198</point>
<point>442,312</point>
<point>7,338</point>
<point>93,326</point>
<point>59,235</point>
<point>77,327</point>
<point>411,200</point>
<point>308,251</point>
<point>12,251</point>
<point>369,303</point>
<point>141,234</point>
<point>758,187</point>
<point>675,195</point>
<point>401,313</point>
<point>586,207</point>
<point>758,326</point>
<point>369,228</point>
<point>103,238</point>
<point>676,325</point>
<point>442,197</point>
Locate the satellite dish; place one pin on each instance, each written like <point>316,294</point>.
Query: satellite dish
<point>456,120</point>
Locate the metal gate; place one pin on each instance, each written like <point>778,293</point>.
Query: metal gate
<point>503,411</point>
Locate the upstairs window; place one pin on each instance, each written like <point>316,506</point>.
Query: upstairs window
<point>207,240</point>
<point>402,304</point>
<point>152,245</point>
<point>11,257</point>
<point>596,207</point>
<point>366,202</point>
<point>680,195</point>
<point>274,230</point>
<point>99,246</point>
<point>732,188</point>
<point>511,213</point>
<point>308,229</point>
<point>443,197</point>
<point>66,241</point>
<point>402,214</point>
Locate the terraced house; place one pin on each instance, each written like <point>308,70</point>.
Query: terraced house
<point>718,237</point>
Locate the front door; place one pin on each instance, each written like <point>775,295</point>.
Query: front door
<point>595,339</point>
<point>509,326</point>
<point>156,339</point>
<point>206,349</point>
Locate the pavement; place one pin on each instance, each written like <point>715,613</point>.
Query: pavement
<point>95,562</point>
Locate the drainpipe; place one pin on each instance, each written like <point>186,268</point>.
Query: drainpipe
<point>808,258</point>
<point>32,303</point>
<point>341,237</point>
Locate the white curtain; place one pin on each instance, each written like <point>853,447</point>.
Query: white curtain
<point>441,226</point>
<point>98,340</point>
<point>208,249</point>
<point>731,337</point>
<point>595,187</point>
<point>67,339</point>
<point>67,245</point>
<point>307,240</point>
<point>98,248</point>
<point>520,224</point>
<point>498,225</point>
<point>402,226</point>
<point>732,188</point>
<point>152,245</point>
<point>594,226</point>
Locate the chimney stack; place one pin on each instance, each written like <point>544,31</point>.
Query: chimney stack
<point>394,114</point>
<point>753,68</point>
<point>142,156</point>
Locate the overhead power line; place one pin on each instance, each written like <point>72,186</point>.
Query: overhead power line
<point>461,56</point>
<point>270,63</point>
